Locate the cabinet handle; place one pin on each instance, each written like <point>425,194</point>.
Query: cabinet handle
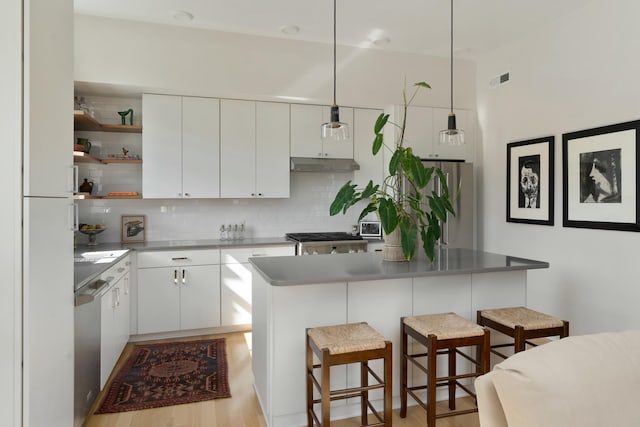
<point>187,195</point>
<point>108,279</point>
<point>260,194</point>
<point>121,269</point>
<point>184,280</point>
<point>180,258</point>
<point>319,154</point>
<point>175,277</point>
<point>126,286</point>
<point>253,194</point>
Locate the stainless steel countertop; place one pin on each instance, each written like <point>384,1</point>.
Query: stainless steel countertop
<point>86,272</point>
<point>314,269</point>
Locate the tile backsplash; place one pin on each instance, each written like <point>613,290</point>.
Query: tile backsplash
<point>173,219</point>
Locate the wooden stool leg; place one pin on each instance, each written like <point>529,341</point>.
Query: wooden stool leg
<point>519,344</point>
<point>403,370</point>
<point>364,398</point>
<point>565,329</point>
<point>326,389</point>
<point>309,369</point>
<point>486,352</point>
<point>388,366</point>
<point>452,382</point>
<point>432,355</point>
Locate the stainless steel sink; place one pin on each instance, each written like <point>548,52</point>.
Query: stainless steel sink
<point>100,257</point>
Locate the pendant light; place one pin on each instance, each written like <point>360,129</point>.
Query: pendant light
<point>334,129</point>
<point>451,135</point>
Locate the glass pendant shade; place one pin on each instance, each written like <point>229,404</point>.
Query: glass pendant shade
<point>452,135</point>
<point>335,130</point>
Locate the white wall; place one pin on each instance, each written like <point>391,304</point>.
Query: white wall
<point>578,73</point>
<point>168,59</point>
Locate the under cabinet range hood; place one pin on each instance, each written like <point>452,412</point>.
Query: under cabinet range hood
<point>308,164</point>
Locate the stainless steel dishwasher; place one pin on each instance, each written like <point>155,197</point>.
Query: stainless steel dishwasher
<point>87,349</point>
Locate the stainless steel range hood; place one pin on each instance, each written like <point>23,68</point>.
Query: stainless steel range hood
<point>307,164</point>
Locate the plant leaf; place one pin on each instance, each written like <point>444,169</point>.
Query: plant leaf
<point>428,244</point>
<point>419,172</point>
<point>343,199</point>
<point>395,160</point>
<point>408,237</point>
<point>369,190</point>
<point>423,84</point>
<point>371,207</point>
<point>377,143</point>
<point>380,122</point>
<point>388,215</point>
<point>438,209</point>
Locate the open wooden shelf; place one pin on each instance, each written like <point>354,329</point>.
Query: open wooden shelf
<point>82,157</point>
<point>93,197</point>
<point>82,121</point>
<point>116,160</point>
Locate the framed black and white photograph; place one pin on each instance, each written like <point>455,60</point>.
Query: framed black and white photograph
<point>530,166</point>
<point>600,177</point>
<point>133,228</point>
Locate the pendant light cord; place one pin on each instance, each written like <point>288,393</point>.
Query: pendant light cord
<point>451,56</point>
<point>334,52</point>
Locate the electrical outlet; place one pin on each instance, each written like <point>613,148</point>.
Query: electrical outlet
<point>500,80</point>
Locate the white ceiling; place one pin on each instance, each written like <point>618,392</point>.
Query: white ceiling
<point>419,26</point>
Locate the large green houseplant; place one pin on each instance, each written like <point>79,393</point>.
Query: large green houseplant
<point>400,201</point>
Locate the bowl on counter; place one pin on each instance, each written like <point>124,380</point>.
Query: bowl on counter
<point>92,231</point>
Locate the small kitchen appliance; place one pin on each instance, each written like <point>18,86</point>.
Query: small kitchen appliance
<point>327,243</point>
<point>371,229</point>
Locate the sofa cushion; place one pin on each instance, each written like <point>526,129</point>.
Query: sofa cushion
<point>587,381</point>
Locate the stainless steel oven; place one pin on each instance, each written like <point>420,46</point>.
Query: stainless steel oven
<point>327,243</point>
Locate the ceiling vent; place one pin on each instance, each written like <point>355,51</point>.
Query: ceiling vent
<point>500,80</point>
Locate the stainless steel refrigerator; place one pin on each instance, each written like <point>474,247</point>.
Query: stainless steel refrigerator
<point>457,232</point>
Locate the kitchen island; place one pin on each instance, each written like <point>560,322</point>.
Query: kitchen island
<point>293,293</point>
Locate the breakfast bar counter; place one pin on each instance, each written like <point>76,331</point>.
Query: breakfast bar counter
<point>293,293</point>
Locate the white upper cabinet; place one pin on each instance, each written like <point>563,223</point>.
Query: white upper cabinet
<point>254,149</point>
<point>200,147</point>
<point>48,98</point>
<point>371,167</point>
<point>180,143</point>
<point>422,132</point>
<point>237,149</point>
<point>272,149</point>
<point>305,132</point>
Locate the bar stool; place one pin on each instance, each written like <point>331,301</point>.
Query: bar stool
<point>522,324</point>
<point>345,344</point>
<point>441,334</point>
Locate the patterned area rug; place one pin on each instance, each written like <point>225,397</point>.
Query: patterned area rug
<point>167,374</point>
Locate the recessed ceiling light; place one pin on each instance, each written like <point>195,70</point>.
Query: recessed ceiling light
<point>290,29</point>
<point>182,16</point>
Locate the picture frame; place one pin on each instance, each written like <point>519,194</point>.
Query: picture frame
<point>133,228</point>
<point>530,181</point>
<point>600,177</point>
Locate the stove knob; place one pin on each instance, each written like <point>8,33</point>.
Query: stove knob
<point>352,251</point>
<point>360,251</point>
<point>334,251</point>
<point>315,252</point>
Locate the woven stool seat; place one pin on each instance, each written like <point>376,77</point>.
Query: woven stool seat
<point>347,338</point>
<point>523,325</point>
<point>522,316</point>
<point>444,326</point>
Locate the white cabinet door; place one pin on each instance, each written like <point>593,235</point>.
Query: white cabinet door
<point>371,167</point>
<point>199,296</point>
<point>108,334</point>
<point>305,130</point>
<point>272,149</point>
<point>200,147</point>
<point>123,315</point>
<point>158,300</point>
<point>162,146</point>
<point>449,152</point>
<point>419,130</point>
<point>237,148</point>
<point>338,149</point>
<point>235,293</point>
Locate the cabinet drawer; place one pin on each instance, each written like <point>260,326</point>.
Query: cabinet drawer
<point>116,271</point>
<point>240,255</point>
<point>176,258</point>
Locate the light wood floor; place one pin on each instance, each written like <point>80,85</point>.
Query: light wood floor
<point>242,409</point>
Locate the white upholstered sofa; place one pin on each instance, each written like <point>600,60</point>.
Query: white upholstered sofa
<point>582,381</point>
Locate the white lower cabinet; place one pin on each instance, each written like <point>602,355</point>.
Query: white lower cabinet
<point>178,290</point>
<point>114,317</point>
<point>236,277</point>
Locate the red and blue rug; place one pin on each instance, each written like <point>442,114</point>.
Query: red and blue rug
<point>156,375</point>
